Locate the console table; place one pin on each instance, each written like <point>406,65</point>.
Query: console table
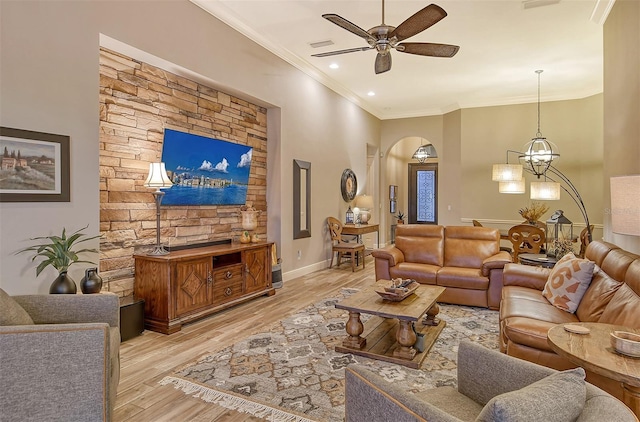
<point>360,229</point>
<point>189,284</point>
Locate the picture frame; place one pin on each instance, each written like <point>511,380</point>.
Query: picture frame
<point>393,192</point>
<point>34,166</point>
<point>392,207</point>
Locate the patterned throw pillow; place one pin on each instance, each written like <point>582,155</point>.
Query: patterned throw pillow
<point>568,281</point>
<point>558,397</point>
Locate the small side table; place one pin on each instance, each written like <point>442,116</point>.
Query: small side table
<point>131,317</point>
<point>593,352</point>
<point>537,260</point>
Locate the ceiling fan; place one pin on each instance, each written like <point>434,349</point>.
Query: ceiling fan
<point>385,37</point>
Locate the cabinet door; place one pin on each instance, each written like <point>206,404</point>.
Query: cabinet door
<point>193,285</point>
<point>257,269</point>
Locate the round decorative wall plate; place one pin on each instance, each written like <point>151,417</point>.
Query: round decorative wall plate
<point>348,185</point>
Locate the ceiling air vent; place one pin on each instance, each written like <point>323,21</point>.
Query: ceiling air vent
<point>321,43</point>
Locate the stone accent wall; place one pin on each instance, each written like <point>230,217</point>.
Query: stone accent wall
<point>137,102</point>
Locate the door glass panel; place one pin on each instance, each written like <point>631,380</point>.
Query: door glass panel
<point>423,193</point>
<point>425,200</point>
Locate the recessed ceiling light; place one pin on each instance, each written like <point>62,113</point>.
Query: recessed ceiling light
<point>334,65</point>
<point>371,93</point>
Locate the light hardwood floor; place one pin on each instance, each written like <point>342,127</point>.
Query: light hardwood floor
<point>146,359</point>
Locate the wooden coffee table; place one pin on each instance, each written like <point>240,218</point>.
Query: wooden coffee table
<point>388,335</point>
<point>593,352</point>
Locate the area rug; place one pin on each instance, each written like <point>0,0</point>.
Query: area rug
<point>290,372</point>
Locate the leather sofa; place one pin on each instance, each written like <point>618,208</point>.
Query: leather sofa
<point>526,315</point>
<point>467,261</point>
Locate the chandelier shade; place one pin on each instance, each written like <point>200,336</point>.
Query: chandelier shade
<point>545,191</point>
<point>506,173</point>
<point>514,187</point>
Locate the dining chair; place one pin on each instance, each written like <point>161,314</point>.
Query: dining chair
<point>341,247</point>
<point>526,238</point>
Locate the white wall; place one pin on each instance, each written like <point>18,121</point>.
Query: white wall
<point>49,83</point>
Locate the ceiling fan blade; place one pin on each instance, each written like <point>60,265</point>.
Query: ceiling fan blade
<point>420,21</point>
<point>348,50</point>
<point>349,26</point>
<point>383,63</point>
<point>428,49</point>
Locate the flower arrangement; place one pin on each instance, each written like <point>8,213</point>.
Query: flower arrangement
<point>562,247</point>
<point>534,211</point>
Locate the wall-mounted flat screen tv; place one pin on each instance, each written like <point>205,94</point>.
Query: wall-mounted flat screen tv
<point>205,171</point>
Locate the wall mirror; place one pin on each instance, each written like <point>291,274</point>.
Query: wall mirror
<point>301,199</point>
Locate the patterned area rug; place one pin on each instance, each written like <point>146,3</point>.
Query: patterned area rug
<point>291,372</point>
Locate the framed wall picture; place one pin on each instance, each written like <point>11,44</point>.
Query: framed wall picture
<point>392,207</point>
<point>34,166</point>
<point>393,192</point>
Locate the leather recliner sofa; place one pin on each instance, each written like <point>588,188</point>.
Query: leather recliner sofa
<point>467,261</point>
<point>526,315</point>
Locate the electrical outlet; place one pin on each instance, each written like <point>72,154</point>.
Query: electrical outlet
<point>299,254</point>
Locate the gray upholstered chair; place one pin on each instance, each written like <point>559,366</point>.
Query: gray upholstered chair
<point>59,357</point>
<point>491,387</point>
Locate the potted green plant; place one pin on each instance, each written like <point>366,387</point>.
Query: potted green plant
<point>400,217</point>
<point>60,253</point>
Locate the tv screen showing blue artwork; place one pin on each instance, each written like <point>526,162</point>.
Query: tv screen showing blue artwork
<point>205,171</point>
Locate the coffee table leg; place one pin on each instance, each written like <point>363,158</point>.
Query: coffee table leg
<point>354,329</point>
<point>430,317</point>
<point>406,338</point>
<point>631,397</point>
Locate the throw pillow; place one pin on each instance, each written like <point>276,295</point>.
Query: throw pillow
<point>558,397</point>
<point>11,313</point>
<point>568,281</point>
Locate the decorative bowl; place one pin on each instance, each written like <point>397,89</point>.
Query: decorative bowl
<point>626,343</point>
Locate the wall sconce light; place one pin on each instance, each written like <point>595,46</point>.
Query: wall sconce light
<point>158,179</point>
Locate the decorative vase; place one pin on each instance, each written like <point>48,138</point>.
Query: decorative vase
<point>255,238</point>
<point>91,282</point>
<point>245,237</point>
<point>63,284</point>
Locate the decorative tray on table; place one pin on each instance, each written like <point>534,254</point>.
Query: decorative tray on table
<point>398,290</point>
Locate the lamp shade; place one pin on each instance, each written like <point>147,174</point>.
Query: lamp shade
<point>517,186</point>
<point>546,191</point>
<point>506,173</point>
<point>157,177</point>
<point>365,202</point>
<point>625,207</point>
